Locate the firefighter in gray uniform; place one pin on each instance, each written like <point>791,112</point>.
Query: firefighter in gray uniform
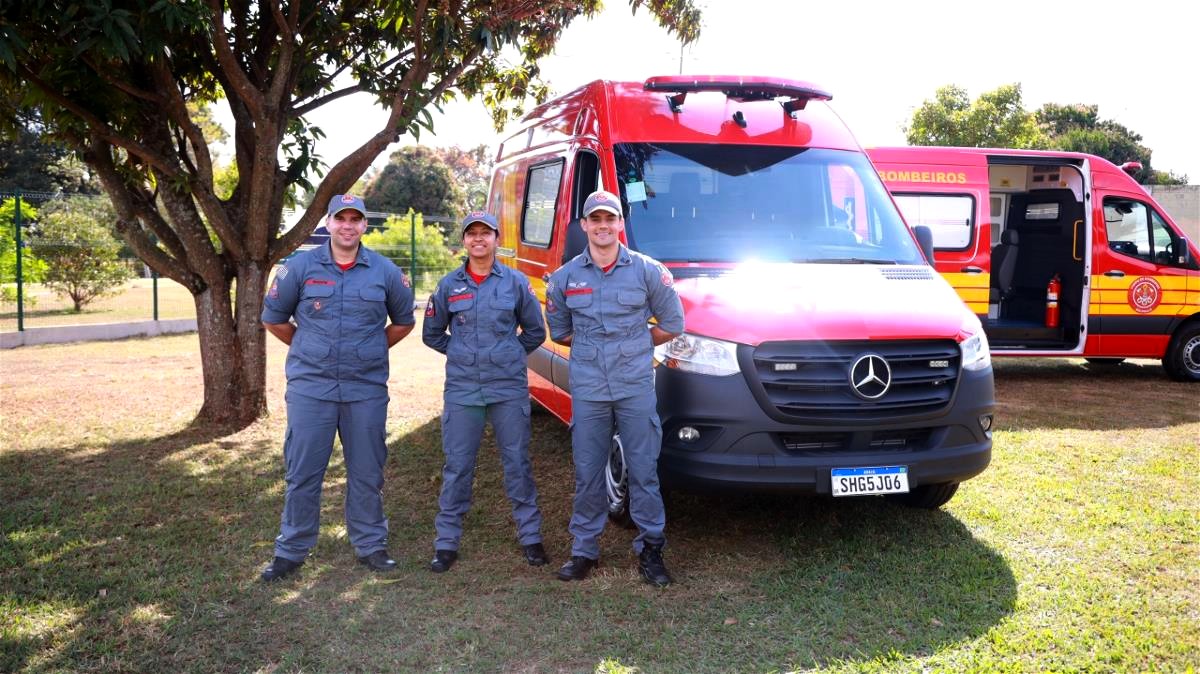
<point>600,304</point>
<point>473,318</point>
<point>341,296</point>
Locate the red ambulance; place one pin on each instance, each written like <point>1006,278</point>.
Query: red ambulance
<point>821,352</point>
<point>1059,253</point>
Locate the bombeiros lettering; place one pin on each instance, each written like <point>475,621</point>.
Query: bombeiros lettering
<point>949,178</point>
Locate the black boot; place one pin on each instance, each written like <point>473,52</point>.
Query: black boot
<point>443,560</point>
<point>379,560</point>
<point>535,554</point>
<point>280,567</point>
<point>651,566</point>
<point>577,568</point>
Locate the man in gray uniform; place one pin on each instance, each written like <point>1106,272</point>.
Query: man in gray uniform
<point>481,304</point>
<point>340,295</point>
<point>600,304</point>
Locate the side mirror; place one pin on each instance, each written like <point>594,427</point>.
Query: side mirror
<point>1184,257</point>
<point>925,241</point>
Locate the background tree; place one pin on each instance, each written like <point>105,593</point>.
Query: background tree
<point>32,269</point>
<point>999,119</point>
<point>996,119</point>
<point>1079,128</point>
<point>31,162</point>
<point>113,79</point>
<point>394,240</point>
<point>415,177</point>
<point>75,239</point>
<point>472,168</point>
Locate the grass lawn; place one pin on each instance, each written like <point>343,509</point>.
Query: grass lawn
<point>131,542</point>
<point>134,301</point>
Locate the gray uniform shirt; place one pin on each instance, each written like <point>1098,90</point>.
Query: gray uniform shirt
<point>476,327</point>
<point>608,314</point>
<point>340,350</point>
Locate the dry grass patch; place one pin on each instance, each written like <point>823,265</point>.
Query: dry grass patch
<point>132,542</point>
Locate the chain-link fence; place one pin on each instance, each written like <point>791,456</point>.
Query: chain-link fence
<point>62,265</point>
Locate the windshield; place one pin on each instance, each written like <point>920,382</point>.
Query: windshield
<point>738,203</point>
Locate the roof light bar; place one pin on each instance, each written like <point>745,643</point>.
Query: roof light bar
<point>740,89</point>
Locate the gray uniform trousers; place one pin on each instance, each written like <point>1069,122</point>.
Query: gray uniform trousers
<point>591,437</point>
<point>306,450</point>
<point>462,431</point>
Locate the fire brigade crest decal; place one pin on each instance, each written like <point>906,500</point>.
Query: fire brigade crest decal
<point>1145,294</point>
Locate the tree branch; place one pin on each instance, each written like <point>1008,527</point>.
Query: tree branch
<point>236,77</point>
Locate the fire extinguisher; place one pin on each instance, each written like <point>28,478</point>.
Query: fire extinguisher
<point>1052,291</point>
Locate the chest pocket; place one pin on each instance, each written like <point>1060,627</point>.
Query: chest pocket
<point>578,300</point>
<point>315,300</point>
<point>370,304</point>
<point>631,297</point>
<point>463,318</point>
<point>505,321</point>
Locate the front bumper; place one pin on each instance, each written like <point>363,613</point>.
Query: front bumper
<point>742,447</point>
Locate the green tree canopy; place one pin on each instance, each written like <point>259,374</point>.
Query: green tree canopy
<point>113,80</point>
<point>32,269</point>
<point>415,177</point>
<point>1079,128</point>
<point>75,239</point>
<point>395,241</point>
<point>996,119</point>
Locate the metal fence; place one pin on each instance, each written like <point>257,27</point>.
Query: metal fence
<point>34,263</point>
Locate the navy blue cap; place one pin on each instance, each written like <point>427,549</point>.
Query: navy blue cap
<point>480,216</point>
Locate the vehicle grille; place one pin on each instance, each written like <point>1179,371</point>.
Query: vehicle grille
<point>885,440</point>
<point>811,380</point>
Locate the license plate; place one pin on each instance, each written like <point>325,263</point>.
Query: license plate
<point>874,480</point>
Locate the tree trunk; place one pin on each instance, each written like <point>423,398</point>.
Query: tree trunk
<point>233,350</point>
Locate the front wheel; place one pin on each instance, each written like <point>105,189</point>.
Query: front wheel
<point>928,496</point>
<point>1182,360</point>
<point>616,484</point>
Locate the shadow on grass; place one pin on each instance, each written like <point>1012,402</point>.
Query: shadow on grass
<point>144,555</point>
<point>1045,393</point>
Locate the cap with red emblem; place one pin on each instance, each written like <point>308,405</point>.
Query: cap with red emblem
<point>480,216</point>
<point>341,202</point>
<point>601,200</point>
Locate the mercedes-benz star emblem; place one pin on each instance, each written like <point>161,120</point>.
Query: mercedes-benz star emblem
<point>870,376</point>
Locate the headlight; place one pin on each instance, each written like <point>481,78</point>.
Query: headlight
<point>699,354</point>
<point>975,352</point>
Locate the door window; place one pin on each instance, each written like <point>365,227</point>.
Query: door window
<point>1135,230</point>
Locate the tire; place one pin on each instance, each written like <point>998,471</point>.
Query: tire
<point>1105,361</point>
<point>616,485</point>
<point>1182,360</point>
<point>927,496</point>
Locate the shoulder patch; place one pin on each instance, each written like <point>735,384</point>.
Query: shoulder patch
<point>430,309</point>
<point>667,279</point>
<point>282,273</point>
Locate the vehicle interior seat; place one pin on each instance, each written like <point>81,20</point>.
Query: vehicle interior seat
<point>1004,265</point>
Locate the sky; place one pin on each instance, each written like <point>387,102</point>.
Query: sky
<point>1138,61</point>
